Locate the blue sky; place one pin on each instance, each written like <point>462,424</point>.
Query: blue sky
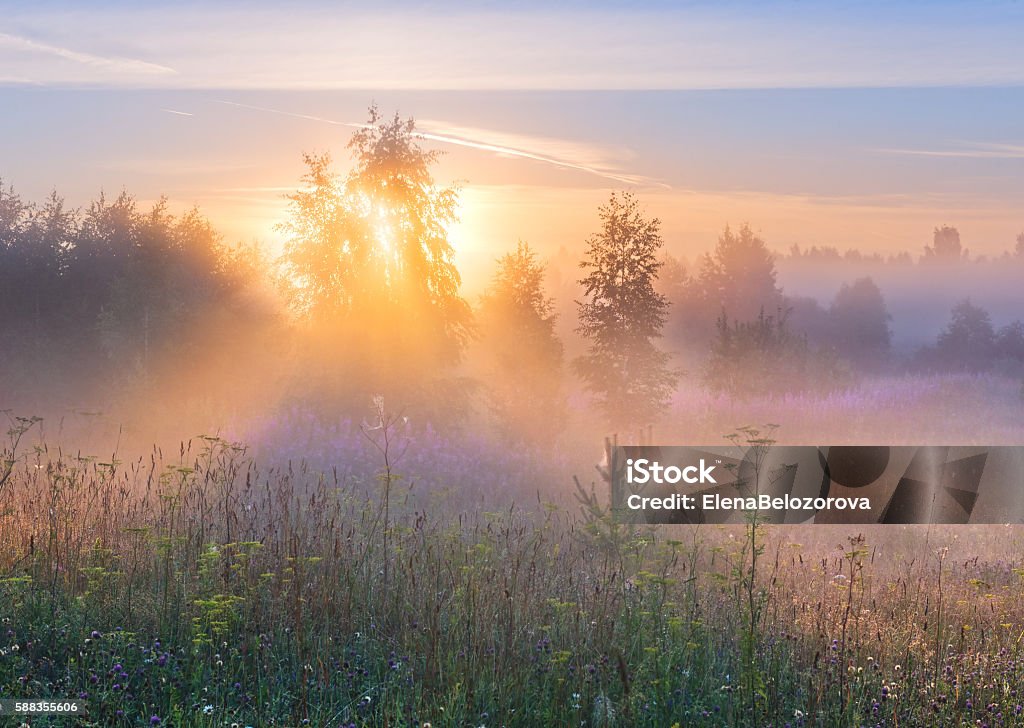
<point>856,124</point>
<point>526,46</point>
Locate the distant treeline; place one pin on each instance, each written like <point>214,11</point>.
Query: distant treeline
<point>946,247</point>
<point>762,339</point>
<point>103,296</point>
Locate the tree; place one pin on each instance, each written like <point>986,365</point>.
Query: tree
<point>968,342</point>
<point>1010,341</point>
<point>1019,249</point>
<point>622,314</point>
<point>96,297</point>
<point>945,245</point>
<point>737,279</point>
<point>522,353</point>
<point>859,323</point>
<point>170,274</point>
<point>368,260</point>
<point>764,357</point>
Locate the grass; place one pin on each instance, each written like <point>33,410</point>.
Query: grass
<point>203,588</point>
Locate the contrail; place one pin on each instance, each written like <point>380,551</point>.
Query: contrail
<point>179,113</point>
<point>971,150</point>
<point>127,65</point>
<point>472,144</point>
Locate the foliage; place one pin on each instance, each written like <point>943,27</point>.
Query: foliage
<point>369,262</point>
<point>738,276</point>
<point>622,314</point>
<point>860,323</point>
<point>945,246</point>
<point>968,341</point>
<point>522,352</point>
<point>105,290</point>
<point>764,357</point>
<point>204,590</point>
<point>1010,341</point>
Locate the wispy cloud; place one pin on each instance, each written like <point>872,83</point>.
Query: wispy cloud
<point>19,81</point>
<point>107,63</point>
<point>694,45</point>
<point>588,159</point>
<point>973,150</point>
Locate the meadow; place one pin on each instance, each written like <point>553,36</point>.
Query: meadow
<point>385,574</point>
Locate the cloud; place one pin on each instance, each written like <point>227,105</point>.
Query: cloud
<point>18,81</point>
<point>589,159</point>
<point>971,150</point>
<point>106,63</point>
<point>698,45</point>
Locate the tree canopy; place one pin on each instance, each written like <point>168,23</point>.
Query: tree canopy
<point>522,353</point>
<point>622,314</point>
<point>368,259</point>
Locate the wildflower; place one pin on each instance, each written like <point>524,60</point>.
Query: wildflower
<point>154,720</point>
<point>207,709</point>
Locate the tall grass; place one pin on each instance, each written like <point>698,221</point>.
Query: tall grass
<point>198,588</point>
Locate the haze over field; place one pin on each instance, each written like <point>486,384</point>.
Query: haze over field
<point>316,319</point>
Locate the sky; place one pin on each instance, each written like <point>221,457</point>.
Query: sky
<point>859,125</point>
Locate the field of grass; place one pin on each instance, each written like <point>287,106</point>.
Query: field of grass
<point>207,587</point>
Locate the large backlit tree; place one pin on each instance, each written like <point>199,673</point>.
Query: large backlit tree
<point>368,259</point>
<point>622,314</point>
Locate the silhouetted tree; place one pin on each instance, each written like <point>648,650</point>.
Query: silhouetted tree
<point>1010,341</point>
<point>1019,249</point>
<point>738,278</point>
<point>968,341</point>
<point>945,245</point>
<point>860,323</point>
<point>765,357</point>
<point>170,275</point>
<point>92,298</point>
<point>522,353</point>
<point>622,315</point>
<point>808,317</point>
